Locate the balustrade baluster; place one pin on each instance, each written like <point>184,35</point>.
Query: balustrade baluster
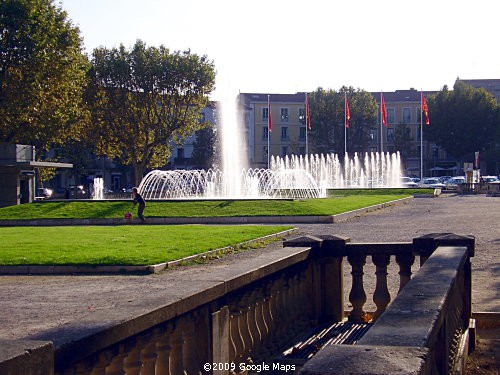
<point>235,334</point>
<point>116,365</point>
<point>81,368</point>
<point>357,296</point>
<point>176,341</point>
<point>245,330</point>
<point>405,261</point>
<point>148,357</point>
<point>253,325</point>
<point>163,350</point>
<point>261,319</point>
<point>104,359</point>
<point>132,363</point>
<point>189,349</point>
<point>381,296</point>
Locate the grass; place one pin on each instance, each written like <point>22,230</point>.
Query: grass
<point>118,245</point>
<point>338,202</point>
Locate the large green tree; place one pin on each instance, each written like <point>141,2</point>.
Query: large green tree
<point>402,140</point>
<point>42,74</point>
<point>145,98</point>
<point>204,148</point>
<point>463,121</point>
<point>328,119</point>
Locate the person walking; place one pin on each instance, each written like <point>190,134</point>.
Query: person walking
<point>138,199</point>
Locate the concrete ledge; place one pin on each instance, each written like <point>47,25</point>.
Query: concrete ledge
<point>361,360</point>
<point>26,357</point>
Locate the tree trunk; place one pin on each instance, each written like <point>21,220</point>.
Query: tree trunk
<point>138,170</point>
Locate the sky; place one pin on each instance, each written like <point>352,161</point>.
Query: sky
<point>288,46</point>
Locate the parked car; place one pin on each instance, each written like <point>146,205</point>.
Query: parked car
<point>432,182</point>
<point>407,182</point>
<point>452,183</point>
<point>43,193</point>
<point>444,179</point>
<point>490,179</point>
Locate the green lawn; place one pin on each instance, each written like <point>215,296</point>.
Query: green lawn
<point>118,245</point>
<point>338,202</point>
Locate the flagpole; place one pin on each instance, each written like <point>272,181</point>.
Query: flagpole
<point>381,122</point>
<point>421,136</point>
<point>268,131</point>
<point>307,126</point>
<point>345,123</point>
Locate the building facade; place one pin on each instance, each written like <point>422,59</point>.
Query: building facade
<point>289,135</point>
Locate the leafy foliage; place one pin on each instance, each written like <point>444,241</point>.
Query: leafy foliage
<point>327,117</point>
<point>402,140</point>
<point>203,155</point>
<point>464,120</point>
<point>42,74</point>
<point>143,99</point>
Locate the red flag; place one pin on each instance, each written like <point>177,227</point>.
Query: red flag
<point>347,112</point>
<point>269,117</point>
<point>383,110</point>
<point>425,110</point>
<point>308,114</point>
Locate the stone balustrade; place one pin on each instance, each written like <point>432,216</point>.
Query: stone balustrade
<point>266,305</point>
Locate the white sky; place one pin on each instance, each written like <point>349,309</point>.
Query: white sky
<point>285,46</point>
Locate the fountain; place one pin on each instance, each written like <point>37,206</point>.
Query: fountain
<point>288,177</point>
<point>98,188</point>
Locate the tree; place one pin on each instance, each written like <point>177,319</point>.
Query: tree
<point>327,118</point>
<point>203,156</point>
<point>463,121</point>
<point>144,98</point>
<point>42,74</point>
<point>402,139</point>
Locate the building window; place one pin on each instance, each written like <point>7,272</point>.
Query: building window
<point>406,115</point>
<point>284,114</point>
<point>284,133</point>
<point>302,116</point>
<point>265,114</point>
<point>419,114</point>
<point>390,134</point>
<point>264,154</point>
<point>203,118</point>
<point>284,150</point>
<point>302,133</point>
<point>265,133</point>
<point>180,153</point>
<point>418,133</point>
<point>373,135</point>
<point>391,116</point>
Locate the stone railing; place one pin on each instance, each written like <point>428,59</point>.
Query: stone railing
<point>264,305</point>
<point>425,329</point>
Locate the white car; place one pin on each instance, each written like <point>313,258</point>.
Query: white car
<point>432,182</point>
<point>407,182</point>
<point>490,179</point>
<point>452,183</point>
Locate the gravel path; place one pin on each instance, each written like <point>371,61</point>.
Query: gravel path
<point>33,306</point>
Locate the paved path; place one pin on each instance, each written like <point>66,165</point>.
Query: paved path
<point>35,306</point>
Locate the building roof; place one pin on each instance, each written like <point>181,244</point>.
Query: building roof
<point>299,97</point>
<point>490,85</point>
<point>410,95</point>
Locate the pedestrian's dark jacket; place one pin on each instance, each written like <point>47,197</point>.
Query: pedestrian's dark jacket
<point>139,199</point>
